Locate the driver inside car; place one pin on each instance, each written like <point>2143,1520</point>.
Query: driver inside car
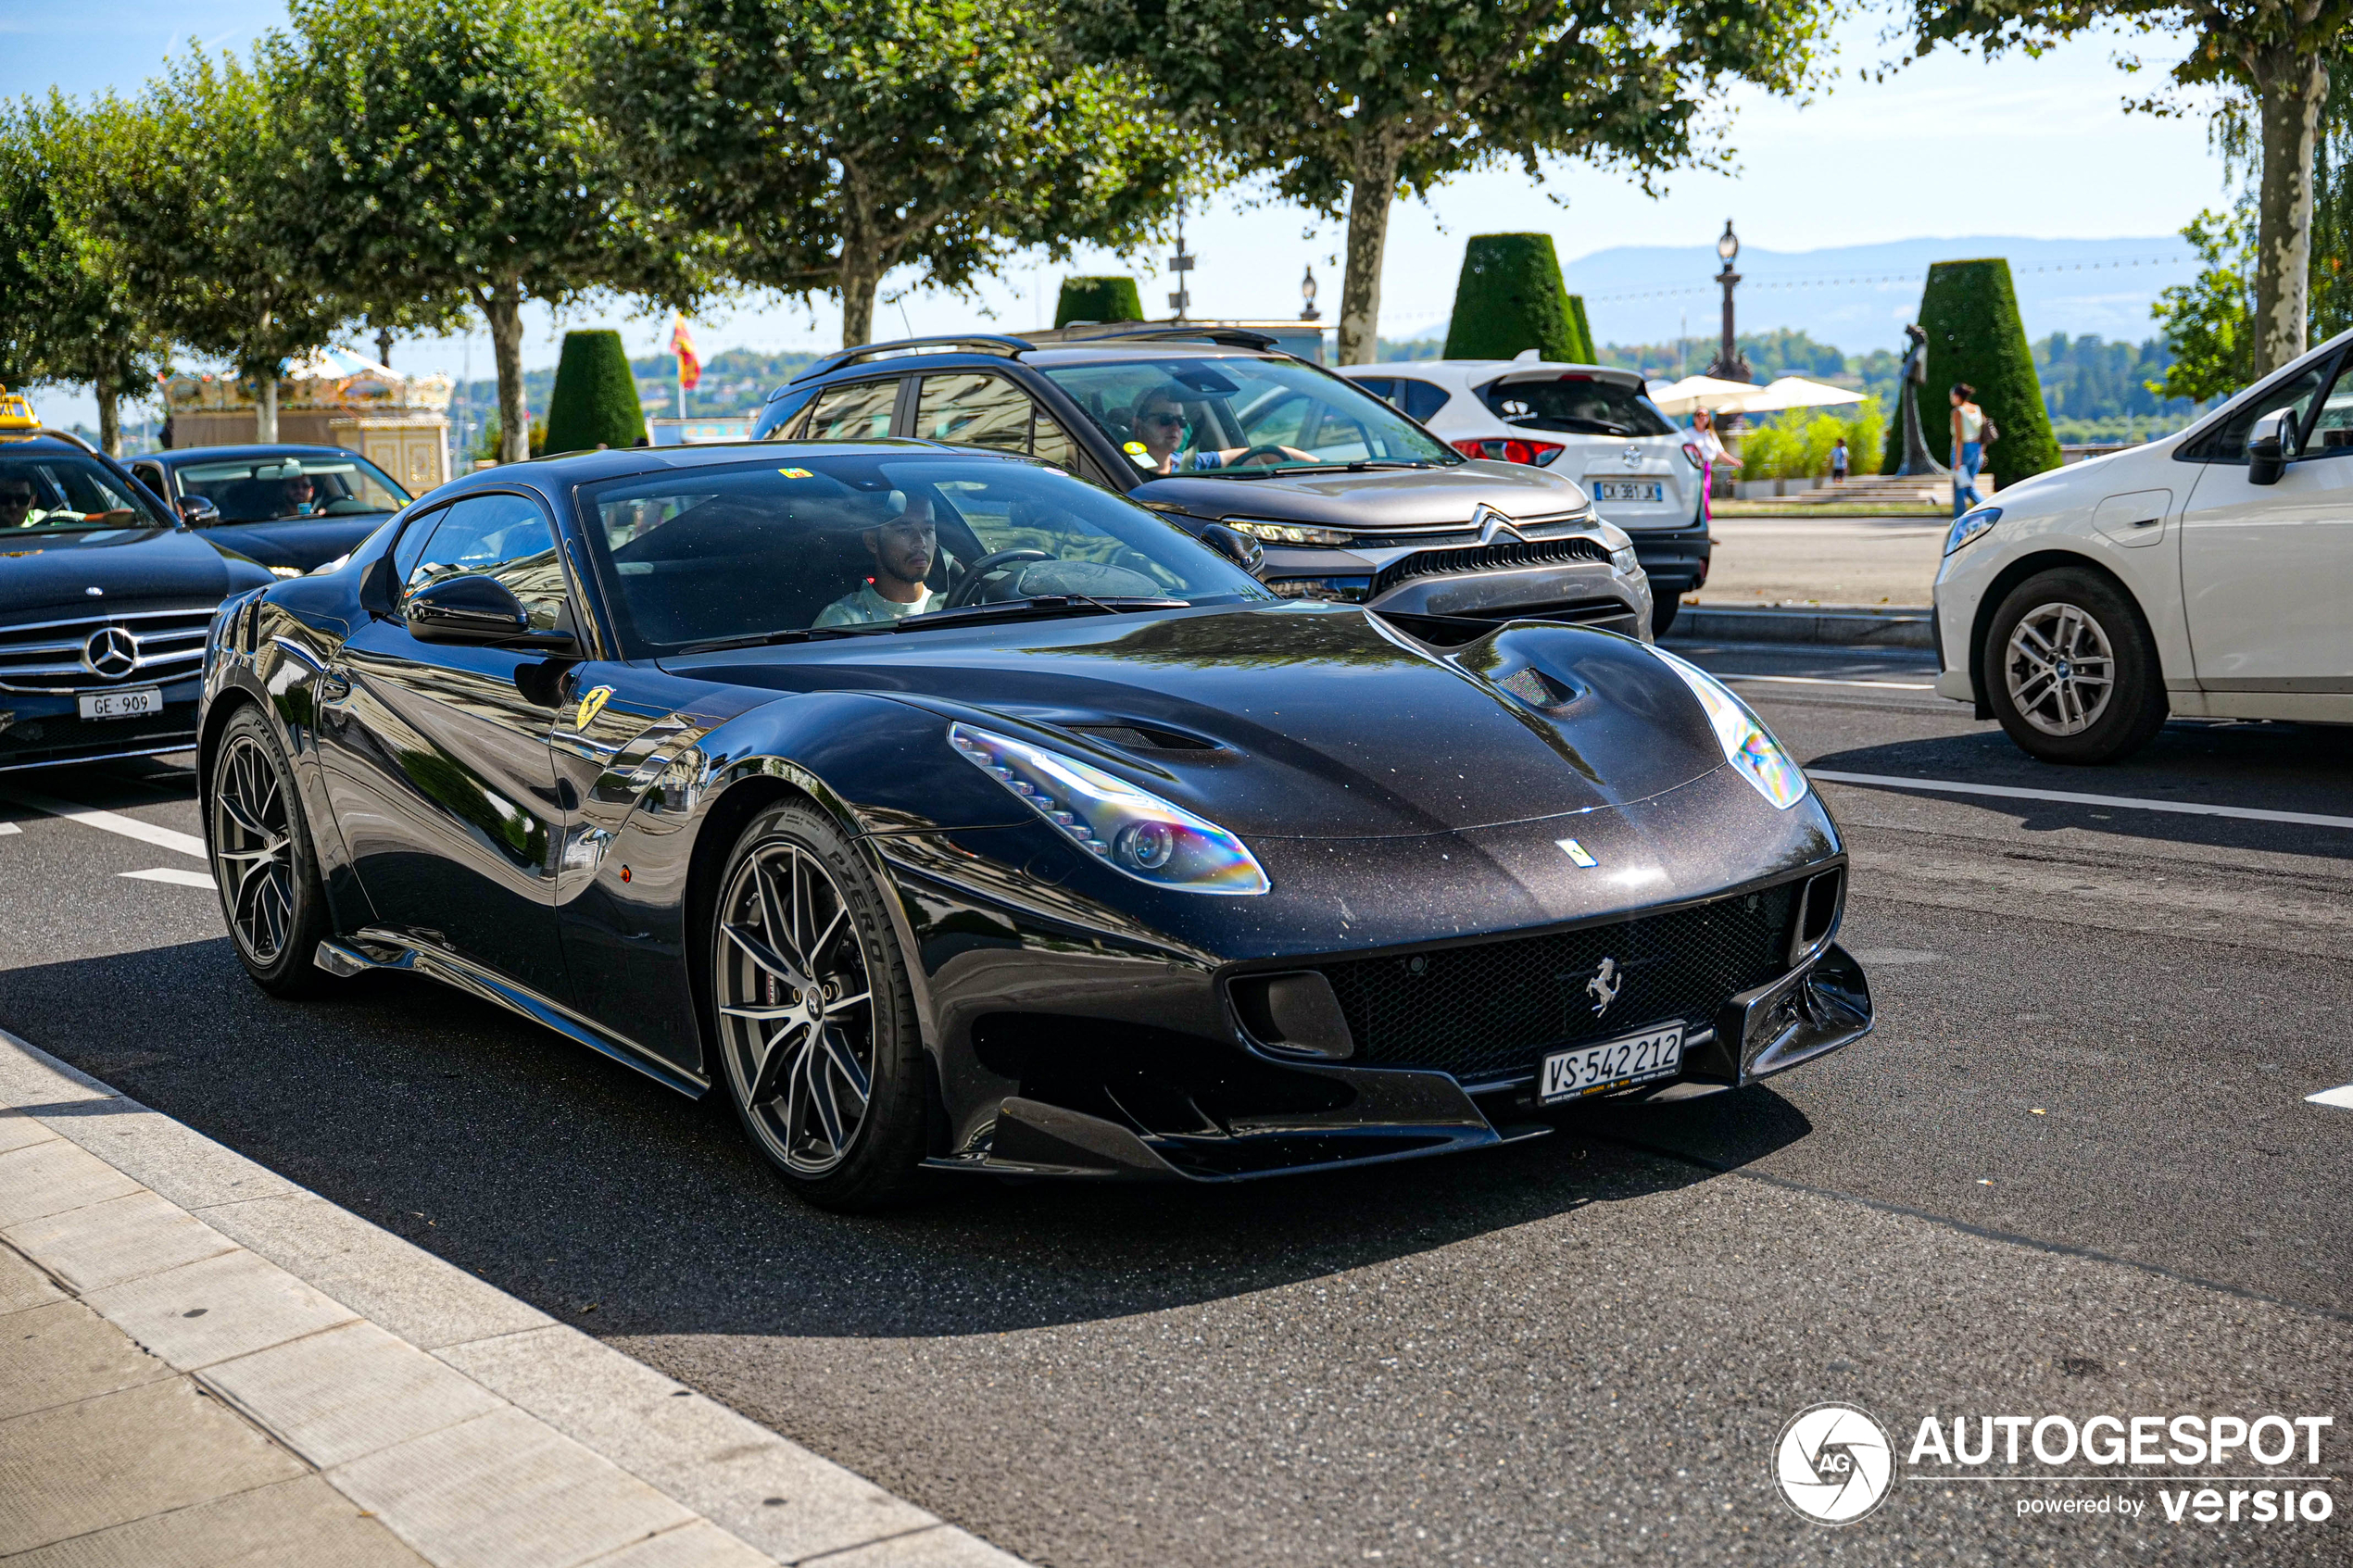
<point>16,495</point>
<point>1160,425</point>
<point>903,549</point>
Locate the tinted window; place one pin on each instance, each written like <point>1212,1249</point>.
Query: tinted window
<point>411,548</point>
<point>2332,432</point>
<point>1214,414</point>
<point>1420,399</point>
<point>715,554</point>
<point>973,410</point>
<point>64,490</point>
<point>271,489</point>
<point>502,536</point>
<point>1575,403</point>
<point>2226,443</point>
<point>860,412</point>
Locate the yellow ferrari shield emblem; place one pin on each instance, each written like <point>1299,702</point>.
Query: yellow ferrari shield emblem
<point>591,705</point>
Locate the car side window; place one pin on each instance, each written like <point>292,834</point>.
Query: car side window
<point>2226,443</point>
<point>858,411</point>
<point>2332,432</point>
<point>1420,399</point>
<point>151,475</point>
<point>412,546</point>
<point>975,408</point>
<point>501,536</point>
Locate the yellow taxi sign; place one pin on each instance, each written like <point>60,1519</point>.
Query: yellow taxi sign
<point>15,411</point>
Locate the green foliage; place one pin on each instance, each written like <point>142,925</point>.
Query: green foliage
<point>1797,445</point>
<point>1781,352</point>
<point>1098,299</point>
<point>1510,298</point>
<point>827,142</point>
<point>489,445</point>
<point>1586,348</point>
<point>1970,312</point>
<point>594,400</point>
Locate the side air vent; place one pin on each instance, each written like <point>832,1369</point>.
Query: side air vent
<point>1295,1013</point>
<point>1142,737</point>
<point>1818,913</point>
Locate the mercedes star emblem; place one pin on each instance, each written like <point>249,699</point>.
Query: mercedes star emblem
<point>110,653</point>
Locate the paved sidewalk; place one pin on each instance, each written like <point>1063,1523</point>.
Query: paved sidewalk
<point>203,1364</point>
<point>1823,560</point>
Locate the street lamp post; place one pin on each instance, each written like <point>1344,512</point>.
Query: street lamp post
<point>1731,364</point>
<point>1180,298</point>
<point>1307,311</point>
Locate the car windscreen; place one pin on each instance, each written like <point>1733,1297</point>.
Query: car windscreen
<point>1239,414</point>
<point>1578,404</point>
<point>274,489</point>
<point>65,490</point>
<point>819,544</point>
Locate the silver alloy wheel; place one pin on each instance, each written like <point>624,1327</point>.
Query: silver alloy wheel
<point>2058,669</point>
<point>253,849</point>
<point>796,1009</point>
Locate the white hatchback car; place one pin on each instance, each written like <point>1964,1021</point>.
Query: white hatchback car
<point>1594,423</point>
<point>2206,574</point>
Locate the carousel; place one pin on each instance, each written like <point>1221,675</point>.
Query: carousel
<point>330,399</point>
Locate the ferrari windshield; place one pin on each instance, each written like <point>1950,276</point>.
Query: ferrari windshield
<point>842,544</point>
<point>1242,415</point>
<point>271,489</point>
<point>62,490</point>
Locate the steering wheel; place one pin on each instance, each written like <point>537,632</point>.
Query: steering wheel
<point>968,588</point>
<point>1276,453</point>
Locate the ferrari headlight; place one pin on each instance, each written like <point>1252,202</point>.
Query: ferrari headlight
<point>1622,559</point>
<point>1131,830</point>
<point>1748,746</point>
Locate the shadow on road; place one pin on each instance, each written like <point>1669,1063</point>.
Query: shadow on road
<point>568,1180</point>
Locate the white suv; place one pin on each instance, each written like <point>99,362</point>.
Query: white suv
<point>1594,423</point>
<point>2206,574</point>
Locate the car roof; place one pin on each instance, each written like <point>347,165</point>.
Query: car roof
<point>43,440</point>
<point>1478,372</point>
<point>564,468</point>
<point>179,455</point>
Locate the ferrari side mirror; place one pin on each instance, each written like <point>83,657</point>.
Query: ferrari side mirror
<point>2267,446</point>
<point>472,611</point>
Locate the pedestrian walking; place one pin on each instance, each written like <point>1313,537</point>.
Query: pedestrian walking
<point>1838,461</point>
<point>1712,451</point>
<point>1973,432</point>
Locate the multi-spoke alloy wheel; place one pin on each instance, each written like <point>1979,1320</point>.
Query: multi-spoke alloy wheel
<point>2060,669</point>
<point>262,861</point>
<point>796,1006</point>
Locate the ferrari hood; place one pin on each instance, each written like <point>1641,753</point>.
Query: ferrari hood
<point>44,572</point>
<point>1296,720</point>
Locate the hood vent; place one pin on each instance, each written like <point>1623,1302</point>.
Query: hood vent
<point>1141,737</point>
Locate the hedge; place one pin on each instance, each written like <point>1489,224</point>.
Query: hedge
<point>1110,298</point>
<point>1586,354</point>
<point>594,400</point>
<point>1511,298</point>
<point>1970,312</point>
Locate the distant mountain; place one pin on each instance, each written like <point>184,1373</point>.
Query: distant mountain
<point>1860,296</point>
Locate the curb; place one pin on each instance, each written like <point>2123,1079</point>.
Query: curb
<point>475,1427</point>
<point>1832,625</point>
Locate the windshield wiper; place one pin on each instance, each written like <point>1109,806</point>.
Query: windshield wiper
<point>769,639</point>
<point>1036,606</point>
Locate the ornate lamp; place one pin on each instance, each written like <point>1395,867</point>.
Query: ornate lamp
<point>1730,365</point>
<point>1307,311</point>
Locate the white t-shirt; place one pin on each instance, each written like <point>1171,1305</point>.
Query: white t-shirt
<point>1710,448</point>
<point>853,610</point>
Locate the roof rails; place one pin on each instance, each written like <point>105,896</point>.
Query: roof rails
<point>1225,337</point>
<point>1008,346</point>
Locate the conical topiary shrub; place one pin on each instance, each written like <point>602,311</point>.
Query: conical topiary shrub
<point>1585,351</point>
<point>1970,312</point>
<point>1098,299</point>
<point>1510,300</point>
<point>594,400</point>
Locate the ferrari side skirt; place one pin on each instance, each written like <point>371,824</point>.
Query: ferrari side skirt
<point>378,948</point>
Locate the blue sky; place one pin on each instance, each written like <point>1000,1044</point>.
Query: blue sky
<point>1951,148</point>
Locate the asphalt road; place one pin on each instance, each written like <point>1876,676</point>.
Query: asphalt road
<point>2073,1172</point>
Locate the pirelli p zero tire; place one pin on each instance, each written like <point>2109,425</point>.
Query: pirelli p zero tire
<point>263,862</point>
<point>817,1036</point>
<point>2070,671</point>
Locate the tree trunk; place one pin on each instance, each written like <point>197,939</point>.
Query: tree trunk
<point>265,407</point>
<point>503,308</point>
<point>861,275</point>
<point>109,414</point>
<point>1369,195</point>
<point>2289,100</point>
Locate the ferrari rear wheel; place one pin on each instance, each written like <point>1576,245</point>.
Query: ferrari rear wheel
<point>815,1019</point>
<point>263,864</point>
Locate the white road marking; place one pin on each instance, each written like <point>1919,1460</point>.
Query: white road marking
<point>110,821</point>
<point>8,828</point>
<point>1824,681</point>
<point>173,874</point>
<point>2009,792</point>
<point>2342,1098</point>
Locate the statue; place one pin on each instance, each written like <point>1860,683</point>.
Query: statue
<point>1917,461</point>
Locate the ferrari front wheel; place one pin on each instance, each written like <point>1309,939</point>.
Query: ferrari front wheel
<point>814,1014</point>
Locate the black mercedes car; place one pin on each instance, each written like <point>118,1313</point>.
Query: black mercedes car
<point>104,601</point>
<point>291,507</point>
<point>951,813</point>
<point>1217,429</point>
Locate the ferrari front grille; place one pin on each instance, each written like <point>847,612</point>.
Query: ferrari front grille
<point>1498,556</point>
<point>1489,1011</point>
<point>152,646</point>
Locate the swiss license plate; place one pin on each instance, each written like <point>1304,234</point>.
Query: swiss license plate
<point>1628,490</point>
<point>1614,1065</point>
<point>133,704</point>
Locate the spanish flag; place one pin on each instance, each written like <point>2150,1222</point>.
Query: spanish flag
<point>682,344</point>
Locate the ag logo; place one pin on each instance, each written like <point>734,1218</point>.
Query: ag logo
<point>1834,1463</point>
<point>591,705</point>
